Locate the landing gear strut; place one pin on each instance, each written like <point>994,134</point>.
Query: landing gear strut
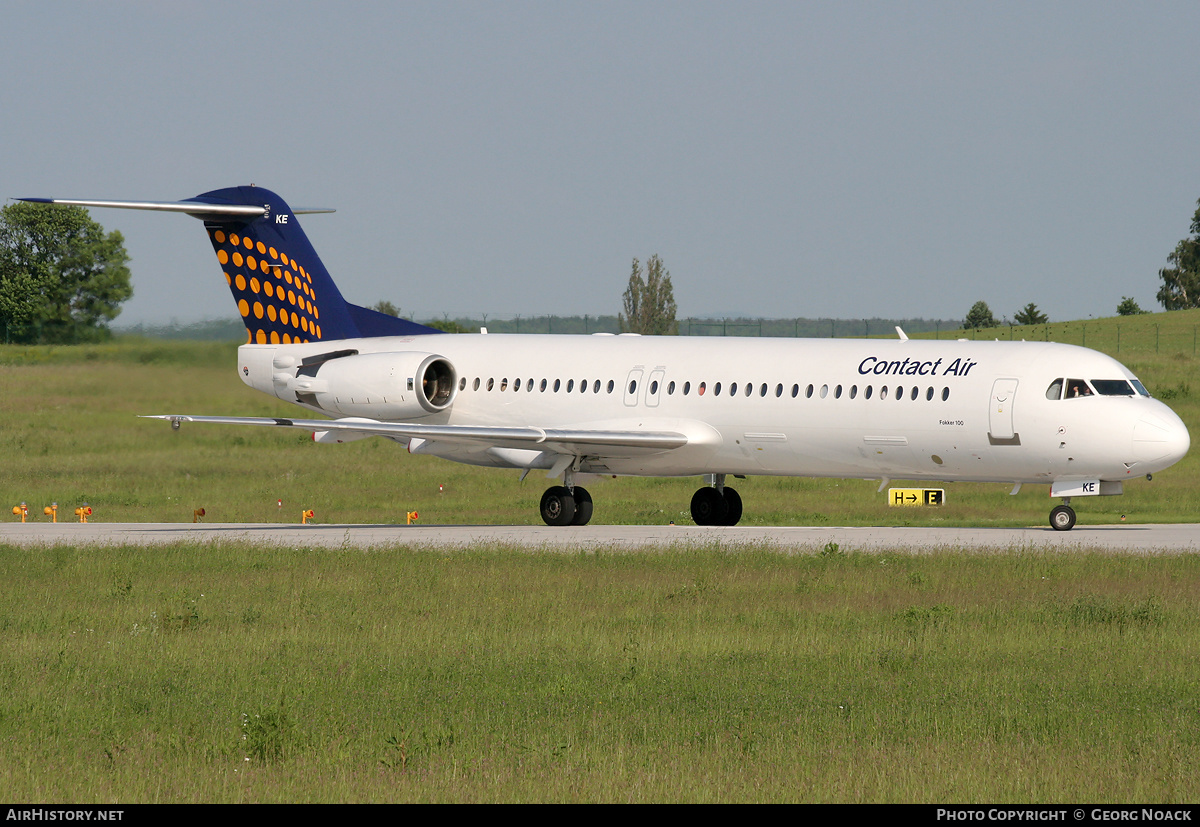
<point>716,505</point>
<point>1062,517</point>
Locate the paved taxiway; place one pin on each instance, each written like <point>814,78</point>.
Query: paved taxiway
<point>1115,538</point>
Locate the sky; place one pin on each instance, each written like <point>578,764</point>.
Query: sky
<point>799,159</point>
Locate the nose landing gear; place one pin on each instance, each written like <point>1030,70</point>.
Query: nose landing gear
<point>1062,517</point>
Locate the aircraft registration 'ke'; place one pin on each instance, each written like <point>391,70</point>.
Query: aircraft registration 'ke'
<point>583,406</point>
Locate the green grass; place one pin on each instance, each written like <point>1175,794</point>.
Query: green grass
<point>229,672</point>
<point>70,434</point>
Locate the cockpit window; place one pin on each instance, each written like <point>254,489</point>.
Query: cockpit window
<point>1112,387</point>
<point>1077,387</point>
<point>1055,389</point>
<point>1140,388</point>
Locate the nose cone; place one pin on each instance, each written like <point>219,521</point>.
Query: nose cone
<point>1160,439</point>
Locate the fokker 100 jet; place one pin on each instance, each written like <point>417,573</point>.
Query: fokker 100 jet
<point>582,406</point>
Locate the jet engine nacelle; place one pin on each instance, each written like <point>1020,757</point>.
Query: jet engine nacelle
<point>389,386</point>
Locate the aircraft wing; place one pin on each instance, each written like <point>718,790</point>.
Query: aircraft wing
<point>606,443</point>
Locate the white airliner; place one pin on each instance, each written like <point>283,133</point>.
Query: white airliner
<point>581,406</point>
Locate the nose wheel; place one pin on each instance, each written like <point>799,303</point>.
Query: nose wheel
<point>1062,518</point>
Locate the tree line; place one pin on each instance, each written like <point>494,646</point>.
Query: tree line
<point>63,279</point>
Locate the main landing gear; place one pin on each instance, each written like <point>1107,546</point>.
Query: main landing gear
<point>566,506</point>
<point>716,505</point>
<point>1062,517</point>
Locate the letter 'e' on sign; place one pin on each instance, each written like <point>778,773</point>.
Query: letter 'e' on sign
<point>916,496</point>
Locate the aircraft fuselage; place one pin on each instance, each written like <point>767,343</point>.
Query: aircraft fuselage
<point>911,409</point>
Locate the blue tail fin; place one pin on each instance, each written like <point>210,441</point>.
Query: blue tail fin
<point>282,289</point>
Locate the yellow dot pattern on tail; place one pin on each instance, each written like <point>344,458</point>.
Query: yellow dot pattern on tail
<point>274,293</point>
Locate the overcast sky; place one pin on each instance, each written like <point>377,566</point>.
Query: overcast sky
<point>814,159</point>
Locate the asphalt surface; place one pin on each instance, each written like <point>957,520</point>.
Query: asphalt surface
<point>1123,538</point>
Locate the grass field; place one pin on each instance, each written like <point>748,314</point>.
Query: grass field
<point>231,673</point>
<point>235,673</point>
<point>70,434</point>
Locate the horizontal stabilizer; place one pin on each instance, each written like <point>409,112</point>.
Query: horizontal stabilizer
<point>199,209</point>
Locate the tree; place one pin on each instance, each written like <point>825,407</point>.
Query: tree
<point>979,316</point>
<point>649,301</point>
<point>386,307</point>
<point>1181,283</point>
<point>62,279</point>
<point>1128,307</point>
<point>447,325</point>
<point>1029,314</point>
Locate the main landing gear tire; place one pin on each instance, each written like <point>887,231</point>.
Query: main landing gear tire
<point>712,507</point>
<point>708,507</point>
<point>583,507</point>
<point>733,504</point>
<point>558,506</point>
<point>1062,518</point>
